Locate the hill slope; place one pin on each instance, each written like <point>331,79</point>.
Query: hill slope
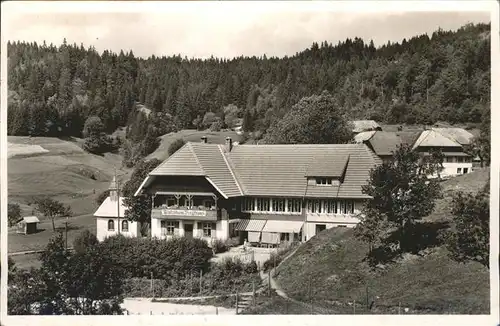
<point>330,269</point>
<point>190,135</point>
<point>60,169</point>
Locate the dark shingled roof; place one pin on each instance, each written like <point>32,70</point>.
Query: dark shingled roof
<point>275,170</point>
<point>384,143</point>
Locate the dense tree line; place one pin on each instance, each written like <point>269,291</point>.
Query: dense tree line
<point>53,90</point>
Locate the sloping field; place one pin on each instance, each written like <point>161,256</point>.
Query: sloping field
<point>60,169</point>
<point>471,182</point>
<point>191,136</point>
<point>329,270</point>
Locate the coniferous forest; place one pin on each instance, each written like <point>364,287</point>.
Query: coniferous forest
<point>54,89</point>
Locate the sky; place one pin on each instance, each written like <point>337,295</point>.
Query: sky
<point>226,33</point>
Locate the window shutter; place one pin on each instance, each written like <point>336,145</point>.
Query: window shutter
<point>214,226</point>
<point>177,224</point>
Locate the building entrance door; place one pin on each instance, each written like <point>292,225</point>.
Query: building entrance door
<point>188,230</point>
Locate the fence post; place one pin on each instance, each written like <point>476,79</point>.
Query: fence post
<point>201,279</point>
<point>274,269</point>
<point>354,306</point>
<point>269,282</point>
<point>399,308</point>
<point>367,300</point>
<point>216,310</point>
<point>236,302</point>
<point>310,297</point>
<point>152,286</point>
<point>253,292</point>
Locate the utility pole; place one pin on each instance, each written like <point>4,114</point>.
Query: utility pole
<point>117,185</point>
<point>152,286</point>
<point>66,231</point>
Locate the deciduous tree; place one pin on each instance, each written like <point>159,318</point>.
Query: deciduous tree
<point>52,208</point>
<point>14,213</point>
<point>139,207</point>
<point>318,119</point>
<point>470,238</point>
<point>401,194</point>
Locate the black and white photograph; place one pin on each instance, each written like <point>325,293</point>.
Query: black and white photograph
<point>224,158</point>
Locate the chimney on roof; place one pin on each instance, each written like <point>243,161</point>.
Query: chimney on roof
<point>204,139</point>
<point>229,144</point>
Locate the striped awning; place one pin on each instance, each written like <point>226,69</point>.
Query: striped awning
<point>250,225</point>
<point>283,226</point>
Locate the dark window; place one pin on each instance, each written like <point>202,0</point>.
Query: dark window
<point>207,229</point>
<point>466,170</point>
<point>320,227</point>
<point>167,227</point>
<point>111,225</point>
<point>125,226</point>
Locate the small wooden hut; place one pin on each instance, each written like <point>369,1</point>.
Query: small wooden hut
<point>28,224</point>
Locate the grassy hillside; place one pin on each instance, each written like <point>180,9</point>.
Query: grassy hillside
<point>60,169</point>
<point>330,270</point>
<point>193,136</point>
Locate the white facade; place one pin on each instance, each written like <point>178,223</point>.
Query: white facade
<point>456,165</point>
<point>316,222</point>
<point>179,228</point>
<point>108,227</point>
<point>110,219</point>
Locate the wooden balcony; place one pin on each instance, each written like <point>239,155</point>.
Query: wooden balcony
<point>185,213</point>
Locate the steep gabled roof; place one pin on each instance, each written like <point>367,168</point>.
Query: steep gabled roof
<point>274,170</point>
<point>216,167</point>
<point>198,159</point>
<point>432,138</point>
<point>109,208</point>
<point>364,136</point>
<point>365,125</point>
<point>384,143</point>
<point>459,135</point>
<point>328,165</point>
<point>280,170</point>
<point>182,162</point>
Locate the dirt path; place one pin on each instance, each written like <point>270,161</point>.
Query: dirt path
<point>267,278</point>
<point>146,307</point>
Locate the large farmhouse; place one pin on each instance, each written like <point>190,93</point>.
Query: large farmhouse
<point>265,194</point>
<point>451,142</point>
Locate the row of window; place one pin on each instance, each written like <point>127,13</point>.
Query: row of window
<point>111,225</point>
<point>458,159</point>
<point>330,206</point>
<point>295,205</point>
<point>168,228</point>
<point>327,182</point>
<point>285,205</point>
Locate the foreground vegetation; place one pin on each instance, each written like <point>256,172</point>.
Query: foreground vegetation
<point>95,277</point>
<point>439,275</point>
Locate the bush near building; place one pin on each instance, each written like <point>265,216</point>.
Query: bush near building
<point>165,259</point>
<point>226,277</point>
